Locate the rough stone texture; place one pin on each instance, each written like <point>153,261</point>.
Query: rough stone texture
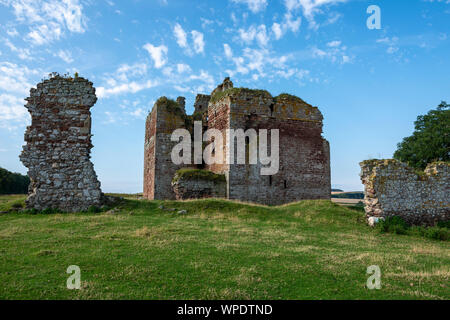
<point>225,85</point>
<point>201,103</point>
<point>304,171</point>
<point>394,189</point>
<point>57,153</point>
<point>198,187</point>
<point>304,154</point>
<point>166,116</point>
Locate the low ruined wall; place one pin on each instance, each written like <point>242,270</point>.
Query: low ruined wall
<point>198,186</point>
<point>394,189</point>
<point>57,153</point>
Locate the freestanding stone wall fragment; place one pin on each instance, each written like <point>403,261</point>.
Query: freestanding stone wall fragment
<point>57,153</point>
<point>394,189</point>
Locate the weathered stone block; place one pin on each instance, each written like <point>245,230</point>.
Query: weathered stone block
<point>59,144</point>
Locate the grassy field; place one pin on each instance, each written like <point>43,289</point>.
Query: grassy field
<point>218,250</point>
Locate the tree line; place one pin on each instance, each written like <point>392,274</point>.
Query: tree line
<point>13,183</point>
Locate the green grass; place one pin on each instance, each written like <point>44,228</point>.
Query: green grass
<point>218,250</point>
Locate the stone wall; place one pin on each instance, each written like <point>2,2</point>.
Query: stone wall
<point>166,116</point>
<point>200,184</point>
<point>304,171</point>
<point>394,189</point>
<point>304,154</point>
<point>201,103</point>
<point>57,153</point>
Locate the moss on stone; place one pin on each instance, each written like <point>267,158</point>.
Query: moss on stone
<point>237,91</point>
<point>198,174</point>
<point>290,97</point>
<point>170,105</point>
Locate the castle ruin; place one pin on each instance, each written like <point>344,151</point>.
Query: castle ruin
<point>57,153</point>
<point>392,188</point>
<point>304,155</point>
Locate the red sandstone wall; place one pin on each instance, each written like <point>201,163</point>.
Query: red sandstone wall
<point>219,118</point>
<point>159,170</point>
<point>149,155</point>
<point>304,155</point>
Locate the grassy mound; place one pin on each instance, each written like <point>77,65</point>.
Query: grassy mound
<point>218,250</point>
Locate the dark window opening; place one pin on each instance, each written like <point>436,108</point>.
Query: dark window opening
<point>270,180</point>
<point>285,184</point>
<point>271,109</point>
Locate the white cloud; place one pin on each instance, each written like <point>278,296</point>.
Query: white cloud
<point>290,22</point>
<point>182,40</point>
<point>12,32</point>
<point>65,55</point>
<point>181,68</point>
<point>258,33</point>
<point>131,87</point>
<point>47,20</point>
<point>199,43</point>
<point>138,113</point>
<point>180,35</point>
<point>44,33</point>
<point>125,71</point>
<point>254,5</point>
<point>260,63</point>
<point>334,44</point>
<point>276,28</point>
<point>15,85</point>
<point>15,79</point>
<point>391,43</point>
<point>126,79</point>
<point>12,109</point>
<point>228,51</point>
<point>335,52</point>
<point>22,53</point>
<point>310,8</point>
<point>158,54</point>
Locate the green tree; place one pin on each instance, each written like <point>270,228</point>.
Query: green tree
<point>13,183</point>
<point>430,140</point>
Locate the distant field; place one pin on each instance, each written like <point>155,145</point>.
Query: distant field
<point>346,201</point>
<point>217,250</point>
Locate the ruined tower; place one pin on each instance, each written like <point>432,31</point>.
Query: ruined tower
<point>166,116</point>
<point>57,153</point>
<point>304,155</point>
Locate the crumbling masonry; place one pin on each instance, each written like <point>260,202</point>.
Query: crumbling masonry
<point>57,153</point>
<point>394,189</point>
<point>304,171</point>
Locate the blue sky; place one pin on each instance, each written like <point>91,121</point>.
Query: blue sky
<point>369,84</point>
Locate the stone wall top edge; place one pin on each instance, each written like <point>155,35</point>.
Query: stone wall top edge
<point>371,167</point>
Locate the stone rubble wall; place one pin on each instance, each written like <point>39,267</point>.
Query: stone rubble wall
<point>198,189</point>
<point>201,103</point>
<point>394,189</point>
<point>304,167</point>
<point>58,144</point>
